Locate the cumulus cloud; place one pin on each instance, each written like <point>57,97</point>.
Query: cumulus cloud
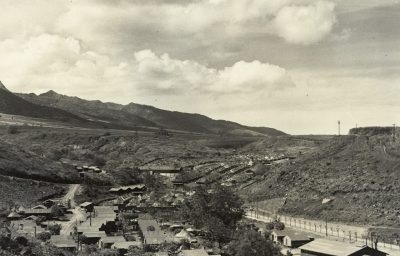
<point>252,77</point>
<point>61,63</point>
<point>305,24</point>
<point>53,62</point>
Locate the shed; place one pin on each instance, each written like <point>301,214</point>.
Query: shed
<point>14,216</point>
<point>296,240</point>
<point>87,206</point>
<point>108,241</point>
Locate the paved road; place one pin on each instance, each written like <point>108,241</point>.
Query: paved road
<point>68,227</point>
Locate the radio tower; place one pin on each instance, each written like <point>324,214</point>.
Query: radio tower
<point>338,122</point>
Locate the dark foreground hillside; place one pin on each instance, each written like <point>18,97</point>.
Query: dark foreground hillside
<point>18,162</point>
<point>359,173</point>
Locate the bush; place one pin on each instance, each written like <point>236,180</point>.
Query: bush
<point>55,229</point>
<point>44,236</point>
<point>279,225</point>
<point>12,129</point>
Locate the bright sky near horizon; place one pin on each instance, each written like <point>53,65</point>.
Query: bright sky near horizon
<point>294,65</point>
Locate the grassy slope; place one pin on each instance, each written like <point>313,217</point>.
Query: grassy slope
<point>360,172</point>
<point>19,161</point>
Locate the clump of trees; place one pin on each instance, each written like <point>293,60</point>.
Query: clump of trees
<point>276,224</point>
<point>216,211</point>
<point>21,245</point>
<point>248,242</point>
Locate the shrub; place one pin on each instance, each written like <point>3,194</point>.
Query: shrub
<point>12,129</point>
<point>55,229</point>
<point>44,236</point>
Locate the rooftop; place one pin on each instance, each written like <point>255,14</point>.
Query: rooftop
<point>331,247</point>
<point>197,252</point>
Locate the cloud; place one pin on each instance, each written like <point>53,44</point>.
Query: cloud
<point>166,74</point>
<point>95,22</point>
<point>53,62</point>
<point>305,24</point>
<point>252,77</point>
<point>61,63</point>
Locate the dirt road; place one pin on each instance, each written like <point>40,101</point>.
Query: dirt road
<point>70,196</point>
<point>68,227</point>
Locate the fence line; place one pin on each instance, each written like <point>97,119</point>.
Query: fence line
<point>327,229</point>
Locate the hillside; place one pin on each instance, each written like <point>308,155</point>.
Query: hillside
<point>20,163</point>
<point>14,105</point>
<point>91,110</point>
<point>133,115</point>
<point>195,122</point>
<point>360,174</point>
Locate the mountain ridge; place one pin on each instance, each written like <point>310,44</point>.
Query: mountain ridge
<point>135,115</point>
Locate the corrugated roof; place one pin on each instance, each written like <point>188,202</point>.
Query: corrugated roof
<point>95,234</point>
<point>112,239</point>
<point>126,245</point>
<point>62,241</point>
<point>37,211</point>
<point>331,247</point>
<point>125,188</point>
<point>197,252</point>
<point>86,204</point>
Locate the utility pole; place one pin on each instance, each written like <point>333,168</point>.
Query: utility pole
<point>326,226</point>
<point>338,127</point>
<point>394,132</point>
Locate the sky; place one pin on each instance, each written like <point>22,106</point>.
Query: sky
<point>294,65</point>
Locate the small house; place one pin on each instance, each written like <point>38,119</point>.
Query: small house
<point>87,206</point>
<point>14,216</point>
<point>296,240</point>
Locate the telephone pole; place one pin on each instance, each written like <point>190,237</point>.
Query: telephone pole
<point>338,127</point>
<point>394,132</point>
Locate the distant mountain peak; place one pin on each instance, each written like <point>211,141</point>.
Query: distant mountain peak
<point>50,93</point>
<point>2,86</point>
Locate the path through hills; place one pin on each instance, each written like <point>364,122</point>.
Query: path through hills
<point>68,227</point>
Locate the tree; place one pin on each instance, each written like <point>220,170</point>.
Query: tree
<point>252,243</point>
<point>217,211</point>
<point>56,211</point>
<point>55,229</point>
<point>279,225</point>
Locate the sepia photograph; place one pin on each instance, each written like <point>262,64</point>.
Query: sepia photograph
<point>200,128</point>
